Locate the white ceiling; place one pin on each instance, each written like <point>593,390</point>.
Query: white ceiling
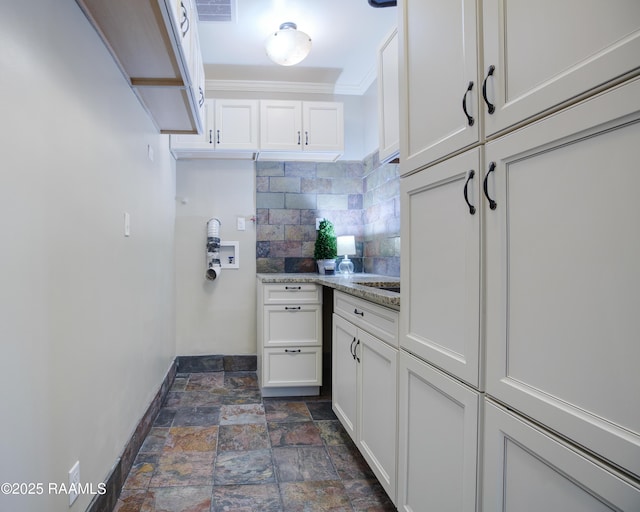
<point>345,37</point>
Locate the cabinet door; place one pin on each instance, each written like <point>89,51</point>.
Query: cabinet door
<point>323,125</point>
<point>438,64</point>
<point>295,366</point>
<point>281,125</point>
<point>528,470</point>
<point>562,279</point>
<point>291,293</point>
<point>438,440</point>
<point>344,374</point>
<point>440,279</point>
<point>388,98</point>
<point>202,141</point>
<point>377,411</point>
<point>292,325</point>
<point>548,52</point>
<point>236,125</point>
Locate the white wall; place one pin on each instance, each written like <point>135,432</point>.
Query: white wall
<point>219,316</point>
<point>87,321</point>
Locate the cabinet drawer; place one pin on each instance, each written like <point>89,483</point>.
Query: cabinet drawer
<point>377,320</point>
<point>295,366</point>
<point>292,293</point>
<point>292,325</point>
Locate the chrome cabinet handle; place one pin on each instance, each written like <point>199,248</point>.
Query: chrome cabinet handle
<point>472,209</point>
<point>306,138</point>
<point>210,136</point>
<point>297,308</point>
<point>470,119</point>
<point>293,287</point>
<point>292,351</point>
<point>298,138</point>
<point>218,136</point>
<point>353,353</point>
<point>356,312</point>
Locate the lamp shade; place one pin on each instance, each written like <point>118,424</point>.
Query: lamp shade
<point>346,245</point>
<point>288,46</point>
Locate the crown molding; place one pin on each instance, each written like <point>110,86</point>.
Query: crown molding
<point>269,86</point>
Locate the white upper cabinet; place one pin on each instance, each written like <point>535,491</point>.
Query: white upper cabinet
<point>388,98</point>
<point>154,43</point>
<point>236,124</point>
<point>562,279</point>
<point>438,80</point>
<point>200,141</point>
<point>312,129</point>
<point>230,131</point>
<point>533,58</point>
<point>281,125</point>
<point>545,53</point>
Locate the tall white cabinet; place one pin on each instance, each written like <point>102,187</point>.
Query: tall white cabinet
<point>520,243</point>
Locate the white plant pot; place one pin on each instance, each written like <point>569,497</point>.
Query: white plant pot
<point>329,264</point>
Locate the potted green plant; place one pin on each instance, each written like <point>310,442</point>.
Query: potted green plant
<point>326,248</point>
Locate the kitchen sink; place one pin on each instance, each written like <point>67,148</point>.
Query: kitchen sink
<point>388,286</point>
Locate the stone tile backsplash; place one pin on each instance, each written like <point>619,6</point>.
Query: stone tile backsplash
<point>360,198</point>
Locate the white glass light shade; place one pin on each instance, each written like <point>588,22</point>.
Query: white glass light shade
<point>288,46</point>
<point>346,245</point>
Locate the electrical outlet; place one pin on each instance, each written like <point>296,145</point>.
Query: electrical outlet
<point>241,224</point>
<point>74,482</point>
<point>150,152</point>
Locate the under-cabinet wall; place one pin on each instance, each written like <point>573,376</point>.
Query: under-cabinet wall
<point>360,198</point>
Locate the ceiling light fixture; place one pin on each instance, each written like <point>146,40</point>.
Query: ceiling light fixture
<point>288,46</point>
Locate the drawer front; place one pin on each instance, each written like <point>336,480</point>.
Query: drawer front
<point>292,293</point>
<point>292,325</point>
<point>294,366</point>
<point>376,320</point>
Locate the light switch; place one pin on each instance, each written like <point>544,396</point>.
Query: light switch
<point>127,224</point>
<point>241,224</point>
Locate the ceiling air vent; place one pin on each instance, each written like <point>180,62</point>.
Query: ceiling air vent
<point>216,10</point>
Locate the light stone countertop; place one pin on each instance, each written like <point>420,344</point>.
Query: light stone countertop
<point>345,284</point>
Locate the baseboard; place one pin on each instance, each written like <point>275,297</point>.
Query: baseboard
<point>198,364</point>
<point>118,474</point>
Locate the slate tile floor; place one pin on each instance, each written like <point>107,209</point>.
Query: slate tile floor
<point>216,446</point>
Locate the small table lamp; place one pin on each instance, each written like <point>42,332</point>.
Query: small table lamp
<point>346,246</point>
